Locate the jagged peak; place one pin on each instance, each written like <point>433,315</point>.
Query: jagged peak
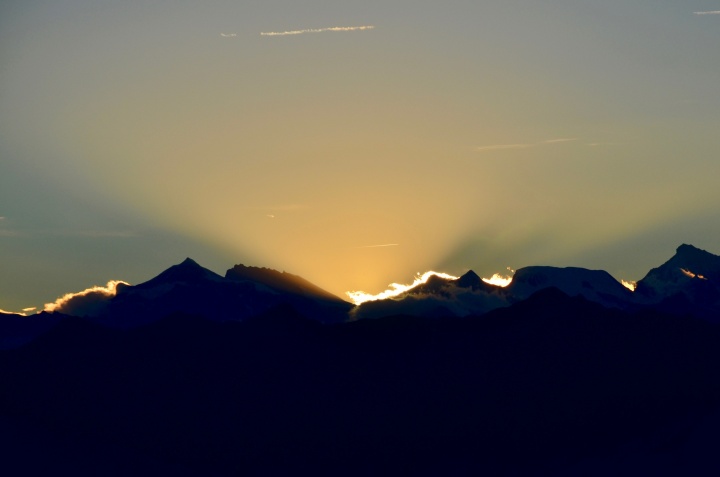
<point>186,271</point>
<point>691,251</point>
<point>188,262</point>
<point>469,279</point>
<point>698,260</point>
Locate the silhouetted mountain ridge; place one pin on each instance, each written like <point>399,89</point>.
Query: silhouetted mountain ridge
<point>687,283</point>
<point>547,379</point>
<point>243,293</point>
<point>186,272</point>
<point>281,281</point>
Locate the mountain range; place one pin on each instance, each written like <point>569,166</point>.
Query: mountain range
<point>564,372</point>
<point>687,284</point>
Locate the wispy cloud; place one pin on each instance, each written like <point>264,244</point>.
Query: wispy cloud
<point>70,233</point>
<point>711,12</point>
<point>559,140</point>
<point>381,245</point>
<point>98,233</point>
<point>596,144</point>
<point>316,30</point>
<point>228,35</point>
<point>24,311</point>
<point>12,312</point>
<point>86,302</point>
<point>276,208</point>
<point>500,147</point>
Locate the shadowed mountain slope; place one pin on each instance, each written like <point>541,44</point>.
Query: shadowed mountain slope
<point>595,285</point>
<point>280,281</point>
<point>689,282</point>
<point>548,380</point>
<point>191,289</point>
<point>470,295</point>
<point>438,297</point>
<point>17,330</point>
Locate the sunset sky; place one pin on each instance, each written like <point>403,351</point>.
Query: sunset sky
<point>442,136</point>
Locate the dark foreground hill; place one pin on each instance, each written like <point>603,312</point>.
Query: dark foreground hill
<point>539,388</point>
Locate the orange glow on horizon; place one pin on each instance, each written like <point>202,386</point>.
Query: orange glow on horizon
<point>360,297</point>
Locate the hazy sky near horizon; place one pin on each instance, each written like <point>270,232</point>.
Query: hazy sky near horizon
<point>450,135</point>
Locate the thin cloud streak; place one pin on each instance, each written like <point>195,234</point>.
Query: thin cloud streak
<point>316,30</point>
<point>228,35</point>
<point>12,312</point>
<point>712,12</point>
<point>381,246</point>
<point>563,139</point>
<point>500,147</point>
<point>100,233</point>
<point>72,233</point>
<point>276,208</point>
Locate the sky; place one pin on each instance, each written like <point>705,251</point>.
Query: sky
<point>442,136</point>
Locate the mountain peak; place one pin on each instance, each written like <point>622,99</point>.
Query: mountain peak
<point>694,259</point>
<point>691,271</point>
<point>692,252</point>
<point>280,281</point>
<point>186,271</point>
<point>469,280</point>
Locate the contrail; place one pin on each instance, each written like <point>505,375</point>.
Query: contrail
<point>713,12</point>
<point>379,246</point>
<point>562,139</point>
<point>498,147</point>
<point>316,30</point>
